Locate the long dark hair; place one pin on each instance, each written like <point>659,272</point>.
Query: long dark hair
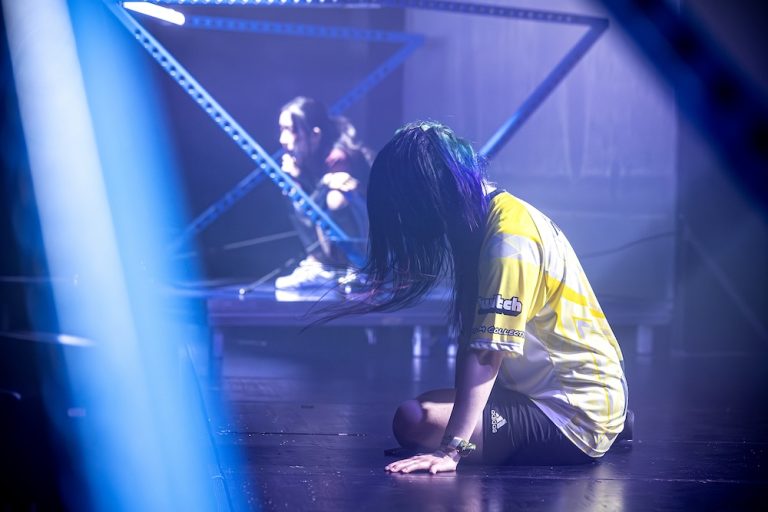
<point>427,213</point>
<point>335,132</point>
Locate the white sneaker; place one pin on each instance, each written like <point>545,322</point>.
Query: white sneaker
<point>309,274</point>
<point>352,282</point>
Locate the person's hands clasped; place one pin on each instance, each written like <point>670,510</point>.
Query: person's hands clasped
<point>288,164</point>
<point>342,181</point>
<point>437,462</point>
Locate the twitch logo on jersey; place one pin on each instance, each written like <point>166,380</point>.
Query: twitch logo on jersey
<point>500,305</point>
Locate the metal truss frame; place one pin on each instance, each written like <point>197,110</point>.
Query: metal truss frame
<point>267,165</point>
<point>409,43</point>
<point>726,106</point>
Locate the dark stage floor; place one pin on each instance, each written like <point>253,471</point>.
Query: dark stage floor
<point>311,414</point>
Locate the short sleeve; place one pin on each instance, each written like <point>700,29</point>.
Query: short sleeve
<point>509,277</point>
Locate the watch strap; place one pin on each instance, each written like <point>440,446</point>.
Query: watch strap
<point>456,444</point>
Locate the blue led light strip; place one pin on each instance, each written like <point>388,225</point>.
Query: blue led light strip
<point>298,29</point>
<point>255,152</point>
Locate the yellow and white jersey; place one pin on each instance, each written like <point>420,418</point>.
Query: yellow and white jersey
<point>536,304</point>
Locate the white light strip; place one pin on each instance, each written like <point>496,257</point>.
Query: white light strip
<point>156,11</point>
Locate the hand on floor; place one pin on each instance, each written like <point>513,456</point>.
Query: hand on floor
<point>437,462</point>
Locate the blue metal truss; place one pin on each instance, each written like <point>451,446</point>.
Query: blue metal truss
<point>595,28</point>
<point>299,30</point>
<point>267,165</point>
<point>221,117</point>
<point>410,43</point>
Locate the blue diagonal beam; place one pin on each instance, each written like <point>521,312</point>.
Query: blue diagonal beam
<point>542,91</point>
<point>222,118</point>
<point>376,76</point>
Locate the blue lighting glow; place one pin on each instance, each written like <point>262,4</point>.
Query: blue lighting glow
<point>106,198</point>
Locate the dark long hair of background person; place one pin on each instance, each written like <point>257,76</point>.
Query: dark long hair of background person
<point>335,132</point>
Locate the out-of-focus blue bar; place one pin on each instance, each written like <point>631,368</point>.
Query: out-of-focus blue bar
<point>231,127</point>
<point>105,190</point>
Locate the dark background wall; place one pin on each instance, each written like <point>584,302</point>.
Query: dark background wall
<point>723,268</point>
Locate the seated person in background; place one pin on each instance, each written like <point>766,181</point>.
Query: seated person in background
<point>329,163</point>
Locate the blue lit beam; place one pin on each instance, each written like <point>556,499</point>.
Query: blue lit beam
<point>728,110</point>
<point>136,438</point>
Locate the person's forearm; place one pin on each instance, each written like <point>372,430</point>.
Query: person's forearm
<point>476,372</point>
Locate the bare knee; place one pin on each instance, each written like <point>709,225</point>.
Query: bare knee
<point>405,425</point>
<point>418,425</point>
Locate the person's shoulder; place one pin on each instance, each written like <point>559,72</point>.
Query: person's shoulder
<point>353,162</point>
<point>510,214</point>
<point>337,160</point>
<point>506,205</point>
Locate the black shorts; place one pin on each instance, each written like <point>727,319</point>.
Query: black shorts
<point>517,432</point>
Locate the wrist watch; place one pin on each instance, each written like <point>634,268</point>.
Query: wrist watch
<point>456,444</point>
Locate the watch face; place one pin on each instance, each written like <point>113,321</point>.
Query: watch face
<point>461,446</point>
<point>465,448</point>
